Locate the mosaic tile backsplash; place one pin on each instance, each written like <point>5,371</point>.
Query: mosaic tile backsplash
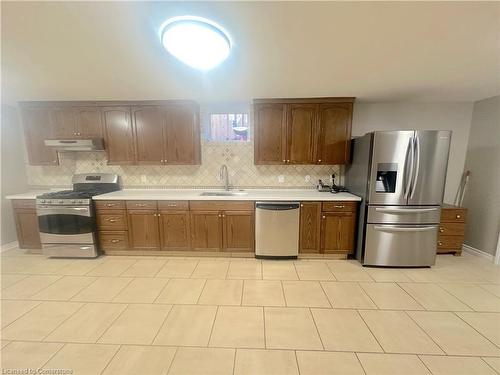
<point>237,156</point>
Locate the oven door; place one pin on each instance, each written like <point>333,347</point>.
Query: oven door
<point>66,225</point>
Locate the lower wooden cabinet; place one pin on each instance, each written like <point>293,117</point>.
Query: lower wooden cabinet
<point>206,230</point>
<point>451,229</point>
<point>143,230</point>
<point>310,227</point>
<point>174,230</point>
<point>337,232</point>
<point>238,231</point>
<point>26,222</point>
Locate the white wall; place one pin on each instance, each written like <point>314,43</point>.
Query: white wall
<point>483,160</point>
<point>13,169</point>
<point>455,116</point>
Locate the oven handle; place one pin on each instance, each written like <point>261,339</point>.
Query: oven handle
<point>67,210</point>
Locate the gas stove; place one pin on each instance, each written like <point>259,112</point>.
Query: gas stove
<point>67,219</point>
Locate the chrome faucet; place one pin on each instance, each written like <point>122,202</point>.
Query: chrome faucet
<point>224,176</point>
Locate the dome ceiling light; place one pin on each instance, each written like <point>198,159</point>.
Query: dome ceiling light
<point>196,41</point>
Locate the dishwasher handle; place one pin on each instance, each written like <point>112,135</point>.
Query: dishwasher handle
<point>277,206</point>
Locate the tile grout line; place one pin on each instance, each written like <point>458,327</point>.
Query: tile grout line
<point>296,360</point>
<point>425,365</point>
<point>213,325</point>
<point>454,295</point>
<point>409,295</point>
<point>19,317</point>
<point>172,362</point>
<point>326,295</point>
<point>360,363</point>
<point>161,291</point>
<point>427,334</point>
<point>162,325</point>
<point>487,364</point>
<point>110,360</point>
<point>53,355</point>
<point>132,279</point>
<point>369,329</point>
<point>64,320</point>
<point>316,326</point>
<point>113,322</point>
<point>471,326</point>
<point>366,294</point>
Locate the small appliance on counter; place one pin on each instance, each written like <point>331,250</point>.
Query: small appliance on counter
<point>67,218</point>
<point>330,189</point>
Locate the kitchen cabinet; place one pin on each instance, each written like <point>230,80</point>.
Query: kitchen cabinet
<point>337,232</point>
<point>206,230</point>
<point>118,135</point>
<point>451,229</point>
<point>76,122</point>
<point>26,220</point>
<point>37,128</point>
<point>182,135</point>
<point>303,131</point>
<point>112,225</point>
<point>270,134</point>
<point>174,230</point>
<point>63,122</point>
<point>143,230</point>
<point>238,231</point>
<point>310,227</point>
<point>166,134</point>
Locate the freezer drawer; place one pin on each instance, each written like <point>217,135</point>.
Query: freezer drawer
<point>400,245</point>
<point>404,214</point>
<point>277,229</point>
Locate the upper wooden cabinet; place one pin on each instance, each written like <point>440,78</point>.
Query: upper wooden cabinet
<point>37,128</point>
<point>118,135</point>
<point>303,131</point>
<point>146,132</point>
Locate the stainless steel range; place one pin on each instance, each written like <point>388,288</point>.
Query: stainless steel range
<point>67,218</point>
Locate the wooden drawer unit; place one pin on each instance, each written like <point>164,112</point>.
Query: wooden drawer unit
<point>451,229</point>
<point>24,203</point>
<point>221,205</point>
<point>115,240</point>
<point>173,205</point>
<point>141,205</point>
<point>340,206</point>
<point>110,205</point>
<point>111,220</point>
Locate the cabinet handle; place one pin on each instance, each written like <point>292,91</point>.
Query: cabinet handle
<point>171,205</point>
<point>339,206</point>
<point>140,205</point>
<point>288,161</point>
<point>440,243</point>
<point>323,217</point>
<point>115,241</point>
<point>223,215</point>
<point>458,216</point>
<point>220,215</point>
<point>319,160</point>
<point>441,230</point>
<point>110,204</point>
<point>112,220</point>
<point>301,205</point>
<point>284,161</point>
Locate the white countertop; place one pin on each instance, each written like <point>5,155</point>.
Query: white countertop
<point>253,195</point>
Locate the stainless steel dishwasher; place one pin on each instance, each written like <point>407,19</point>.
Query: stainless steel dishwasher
<point>277,230</point>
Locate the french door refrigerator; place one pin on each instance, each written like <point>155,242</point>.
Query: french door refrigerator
<point>400,175</point>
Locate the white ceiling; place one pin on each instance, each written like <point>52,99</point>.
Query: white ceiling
<point>376,51</point>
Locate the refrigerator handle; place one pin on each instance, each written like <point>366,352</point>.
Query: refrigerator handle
<point>403,229</point>
<point>408,175</point>
<point>417,168</point>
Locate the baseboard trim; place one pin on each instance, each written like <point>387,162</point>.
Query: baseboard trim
<point>8,246</point>
<point>476,252</point>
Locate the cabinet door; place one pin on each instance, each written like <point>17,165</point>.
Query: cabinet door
<point>182,135</point>
<point>28,234</point>
<point>37,128</point>
<point>206,230</point>
<point>238,230</point>
<point>119,135</point>
<point>64,122</point>
<point>301,133</point>
<point>174,230</point>
<point>337,232</point>
<point>148,124</point>
<point>270,133</point>
<point>310,225</point>
<point>88,122</point>
<point>143,230</point>
<point>335,135</point>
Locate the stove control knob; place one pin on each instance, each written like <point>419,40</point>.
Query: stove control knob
<point>61,201</point>
<point>49,202</point>
<point>73,201</point>
<point>80,201</point>
<point>42,201</point>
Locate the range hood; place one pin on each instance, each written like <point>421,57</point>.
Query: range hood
<point>88,144</point>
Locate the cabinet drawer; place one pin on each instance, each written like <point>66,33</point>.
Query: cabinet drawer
<point>113,240</point>
<point>450,242</point>
<point>453,215</point>
<point>221,205</point>
<point>173,205</point>
<point>340,206</point>
<point>114,205</point>
<point>452,229</point>
<point>141,205</point>
<point>112,220</point>
<point>24,203</point>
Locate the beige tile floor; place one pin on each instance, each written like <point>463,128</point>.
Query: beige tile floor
<point>147,315</point>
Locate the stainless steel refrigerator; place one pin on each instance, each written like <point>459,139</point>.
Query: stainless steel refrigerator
<point>400,175</point>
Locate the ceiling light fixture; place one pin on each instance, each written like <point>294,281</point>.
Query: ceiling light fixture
<point>196,41</point>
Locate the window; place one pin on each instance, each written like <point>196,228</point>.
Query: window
<point>229,127</point>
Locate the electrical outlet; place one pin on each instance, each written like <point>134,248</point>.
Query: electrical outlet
<point>307,178</point>
<point>281,179</point>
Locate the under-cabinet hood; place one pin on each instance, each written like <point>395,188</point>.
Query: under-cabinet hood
<point>89,144</point>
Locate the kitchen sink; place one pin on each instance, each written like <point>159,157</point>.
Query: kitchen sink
<point>234,193</point>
